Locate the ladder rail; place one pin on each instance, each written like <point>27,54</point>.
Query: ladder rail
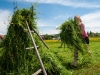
<point>37,72</point>
<point>40,38</point>
<point>34,31</point>
<point>38,55</point>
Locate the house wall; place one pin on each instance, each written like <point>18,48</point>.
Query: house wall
<point>0,39</point>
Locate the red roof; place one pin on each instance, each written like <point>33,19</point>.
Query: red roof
<point>2,36</point>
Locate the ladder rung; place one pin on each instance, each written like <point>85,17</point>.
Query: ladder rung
<point>32,47</point>
<point>33,31</point>
<point>26,29</point>
<point>37,72</point>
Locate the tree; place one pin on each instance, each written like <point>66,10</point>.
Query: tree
<point>96,34</point>
<point>91,34</point>
<point>48,37</point>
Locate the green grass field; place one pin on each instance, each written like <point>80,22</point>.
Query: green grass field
<point>86,65</point>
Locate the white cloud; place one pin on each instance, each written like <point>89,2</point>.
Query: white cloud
<point>53,21</point>
<point>92,21</point>
<point>43,23</point>
<point>73,3</point>
<point>49,31</point>
<point>62,17</point>
<point>47,27</point>
<point>4,20</point>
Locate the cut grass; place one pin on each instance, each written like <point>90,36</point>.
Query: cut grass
<point>86,65</point>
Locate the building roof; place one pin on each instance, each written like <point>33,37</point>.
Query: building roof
<point>2,36</point>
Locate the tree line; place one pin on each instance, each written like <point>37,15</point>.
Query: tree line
<point>56,36</point>
<point>93,34</point>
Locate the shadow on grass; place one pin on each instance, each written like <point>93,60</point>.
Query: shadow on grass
<point>68,66</point>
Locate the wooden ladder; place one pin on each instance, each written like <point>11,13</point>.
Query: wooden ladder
<point>36,49</point>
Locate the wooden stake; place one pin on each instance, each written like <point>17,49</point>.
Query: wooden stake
<point>37,53</point>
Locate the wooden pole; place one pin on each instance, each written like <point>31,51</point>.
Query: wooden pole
<point>42,66</point>
<point>37,72</point>
<point>40,38</point>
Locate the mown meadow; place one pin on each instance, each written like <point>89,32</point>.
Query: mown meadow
<point>87,65</point>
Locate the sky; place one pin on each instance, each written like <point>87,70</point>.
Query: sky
<point>52,13</point>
